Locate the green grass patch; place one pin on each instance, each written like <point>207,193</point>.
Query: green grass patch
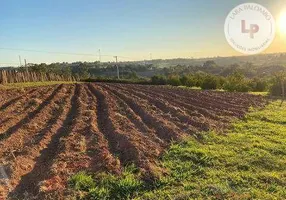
<point>32,84</point>
<point>192,88</point>
<point>260,93</point>
<point>246,162</point>
<point>108,186</point>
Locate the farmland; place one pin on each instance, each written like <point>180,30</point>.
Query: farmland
<point>49,133</point>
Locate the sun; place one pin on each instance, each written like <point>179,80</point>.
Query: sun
<point>282,23</point>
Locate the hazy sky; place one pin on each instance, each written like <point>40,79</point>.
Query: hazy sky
<point>129,28</point>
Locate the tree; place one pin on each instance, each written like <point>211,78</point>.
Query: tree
<point>236,82</point>
<point>174,81</point>
<point>278,84</point>
<point>159,80</point>
<point>209,64</point>
<point>210,82</point>
<point>258,85</point>
<point>184,80</point>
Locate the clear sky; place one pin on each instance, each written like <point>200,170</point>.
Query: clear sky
<point>129,28</point>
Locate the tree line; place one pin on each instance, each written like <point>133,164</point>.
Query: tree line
<point>235,82</point>
<point>242,77</point>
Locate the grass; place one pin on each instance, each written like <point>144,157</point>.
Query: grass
<point>192,88</point>
<point>246,162</point>
<point>108,186</point>
<point>222,90</point>
<point>260,93</point>
<point>32,84</point>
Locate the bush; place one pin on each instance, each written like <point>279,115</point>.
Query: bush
<point>184,80</point>
<point>191,82</point>
<point>276,87</point>
<point>210,83</point>
<point>236,82</point>
<point>199,77</point>
<point>158,80</point>
<point>174,81</point>
<point>258,85</point>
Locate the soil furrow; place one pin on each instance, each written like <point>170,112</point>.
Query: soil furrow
<point>26,104</point>
<point>31,133</point>
<point>22,160</point>
<point>164,131</point>
<point>30,183</point>
<point>132,147</point>
<point>192,110</point>
<point>9,95</point>
<point>48,134</point>
<point>137,121</point>
<point>30,116</point>
<point>191,124</point>
<point>199,101</point>
<point>14,100</point>
<point>97,145</point>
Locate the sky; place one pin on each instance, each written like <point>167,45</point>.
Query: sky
<point>131,29</point>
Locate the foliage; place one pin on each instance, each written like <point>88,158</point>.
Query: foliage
<point>236,82</point>
<point>258,85</point>
<point>276,86</point>
<point>210,82</point>
<point>81,181</point>
<point>159,80</point>
<point>174,80</point>
<point>191,81</point>
<point>108,186</point>
<point>207,74</point>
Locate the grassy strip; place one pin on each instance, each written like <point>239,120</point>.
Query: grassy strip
<point>249,162</point>
<point>260,93</point>
<point>31,84</point>
<point>123,81</point>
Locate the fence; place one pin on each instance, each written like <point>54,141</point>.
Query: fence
<point>14,76</point>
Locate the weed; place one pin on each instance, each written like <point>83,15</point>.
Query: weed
<point>82,181</point>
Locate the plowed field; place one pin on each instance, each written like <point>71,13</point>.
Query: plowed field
<point>49,133</point>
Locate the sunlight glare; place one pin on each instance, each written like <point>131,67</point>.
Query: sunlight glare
<point>282,23</point>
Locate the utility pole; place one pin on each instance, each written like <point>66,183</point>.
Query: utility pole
<point>20,61</point>
<point>151,57</point>
<point>25,63</point>
<point>116,57</point>
<point>99,55</point>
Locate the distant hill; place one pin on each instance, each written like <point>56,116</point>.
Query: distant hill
<point>258,60</point>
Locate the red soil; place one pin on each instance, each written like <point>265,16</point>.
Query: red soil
<point>49,133</point>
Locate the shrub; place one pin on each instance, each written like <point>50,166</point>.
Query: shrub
<point>199,77</point>
<point>184,80</point>
<point>258,85</point>
<point>191,82</point>
<point>276,86</point>
<point>174,81</point>
<point>158,80</point>
<point>210,83</point>
<point>236,82</point>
